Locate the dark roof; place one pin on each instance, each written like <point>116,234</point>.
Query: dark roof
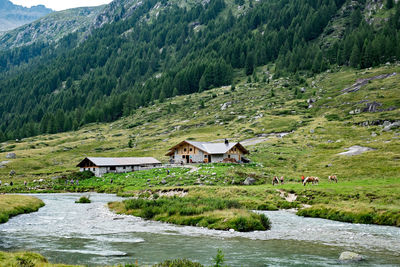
<point>127,161</point>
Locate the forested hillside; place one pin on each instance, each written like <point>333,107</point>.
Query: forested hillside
<point>162,49</point>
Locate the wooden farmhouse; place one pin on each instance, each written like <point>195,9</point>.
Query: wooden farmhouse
<point>100,166</point>
<point>206,152</point>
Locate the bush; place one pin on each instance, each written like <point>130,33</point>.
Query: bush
<point>367,217</point>
<point>80,175</point>
<point>251,223</point>
<point>84,200</point>
<point>332,117</point>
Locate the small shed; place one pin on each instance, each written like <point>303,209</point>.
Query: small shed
<point>100,166</point>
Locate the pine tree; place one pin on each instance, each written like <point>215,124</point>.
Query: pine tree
<point>356,18</point>
<point>389,4</point>
<point>249,65</point>
<point>355,57</point>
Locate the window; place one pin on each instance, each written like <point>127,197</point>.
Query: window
<point>112,168</point>
<point>191,150</point>
<point>229,156</point>
<point>205,156</point>
<point>184,150</point>
<point>183,156</point>
<point>123,168</point>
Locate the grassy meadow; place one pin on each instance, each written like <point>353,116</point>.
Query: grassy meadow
<point>252,112</point>
<point>13,205</point>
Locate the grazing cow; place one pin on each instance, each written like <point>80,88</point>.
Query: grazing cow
<point>332,178</point>
<point>275,180</point>
<point>311,179</point>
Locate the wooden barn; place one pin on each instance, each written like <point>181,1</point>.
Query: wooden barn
<point>100,166</point>
<point>206,152</point>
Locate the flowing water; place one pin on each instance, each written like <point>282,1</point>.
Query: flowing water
<point>90,234</point>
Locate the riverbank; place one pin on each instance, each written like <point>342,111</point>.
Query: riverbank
<point>212,213</point>
<point>366,200</point>
<point>12,205</point>
<point>31,259</point>
<point>27,259</point>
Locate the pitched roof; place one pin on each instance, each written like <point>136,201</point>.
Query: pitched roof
<point>121,161</point>
<point>211,148</point>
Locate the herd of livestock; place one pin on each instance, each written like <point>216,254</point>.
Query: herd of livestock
<point>310,179</point>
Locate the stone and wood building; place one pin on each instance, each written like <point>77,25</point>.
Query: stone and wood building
<point>101,166</point>
<point>206,152</point>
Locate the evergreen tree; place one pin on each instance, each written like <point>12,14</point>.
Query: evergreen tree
<point>389,4</point>
<point>355,57</point>
<point>250,61</point>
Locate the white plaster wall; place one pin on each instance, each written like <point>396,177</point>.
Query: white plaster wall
<point>217,158</point>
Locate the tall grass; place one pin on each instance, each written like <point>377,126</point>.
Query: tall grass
<point>196,211</point>
<point>12,205</point>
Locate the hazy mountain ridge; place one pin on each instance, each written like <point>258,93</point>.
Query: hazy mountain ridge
<point>13,16</point>
<point>51,28</point>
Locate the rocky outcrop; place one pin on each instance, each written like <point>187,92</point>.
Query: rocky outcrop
<point>11,155</point>
<point>389,126</point>
<point>350,256</point>
<point>51,28</point>
<point>355,150</point>
<point>362,82</point>
<point>249,181</point>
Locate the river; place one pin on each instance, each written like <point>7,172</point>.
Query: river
<point>90,234</point>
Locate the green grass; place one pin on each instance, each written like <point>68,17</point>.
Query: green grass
<point>311,149</point>
<point>212,213</point>
<point>13,205</point>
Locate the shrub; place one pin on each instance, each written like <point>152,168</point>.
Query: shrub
<point>84,200</point>
<point>80,175</point>
<point>332,117</point>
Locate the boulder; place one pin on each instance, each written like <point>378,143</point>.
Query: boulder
<point>11,156</point>
<point>163,181</point>
<point>226,105</point>
<point>350,256</point>
<point>249,181</point>
<point>391,126</point>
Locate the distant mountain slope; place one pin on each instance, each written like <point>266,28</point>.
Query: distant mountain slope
<point>51,27</point>
<point>13,16</point>
<point>84,20</point>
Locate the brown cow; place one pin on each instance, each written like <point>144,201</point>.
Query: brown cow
<point>275,180</point>
<point>332,178</point>
<point>311,179</point>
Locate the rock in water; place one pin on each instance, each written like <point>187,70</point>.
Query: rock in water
<point>350,256</point>
<point>249,181</point>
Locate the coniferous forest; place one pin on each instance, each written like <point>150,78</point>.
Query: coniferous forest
<point>147,57</point>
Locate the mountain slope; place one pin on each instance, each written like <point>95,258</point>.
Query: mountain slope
<point>51,28</point>
<point>148,50</point>
<point>13,16</point>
